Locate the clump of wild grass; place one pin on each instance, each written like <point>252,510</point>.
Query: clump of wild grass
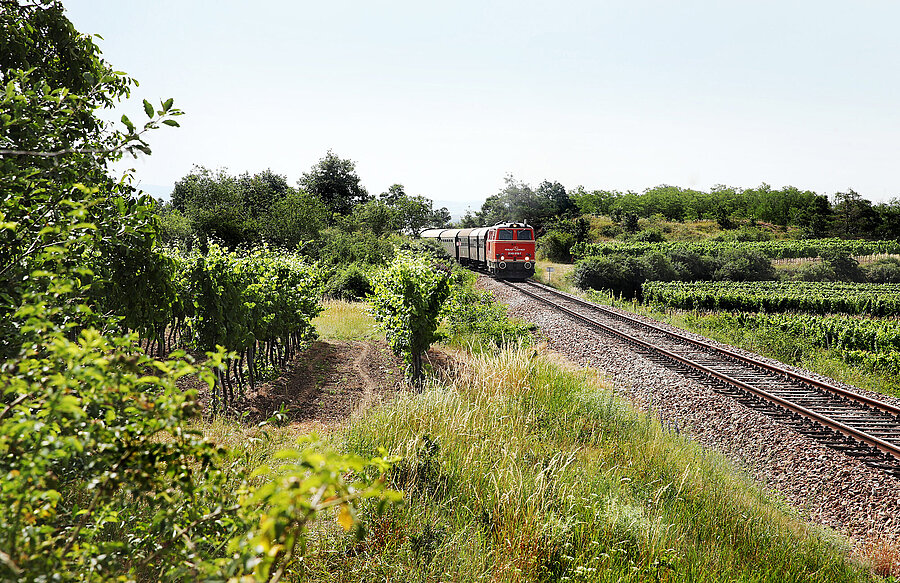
<point>884,555</point>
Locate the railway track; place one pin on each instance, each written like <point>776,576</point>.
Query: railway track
<point>857,425</point>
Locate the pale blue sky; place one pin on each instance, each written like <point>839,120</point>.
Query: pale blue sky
<point>447,99</point>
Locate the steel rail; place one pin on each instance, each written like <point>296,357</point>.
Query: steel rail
<point>872,441</point>
<point>862,399</point>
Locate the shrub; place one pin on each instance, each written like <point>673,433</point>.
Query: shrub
<point>885,270</point>
<point>691,266</point>
<point>649,236</point>
<point>407,300</point>
<point>351,283</point>
<point>343,247</point>
<point>619,274</point>
<point>658,267</point>
<point>845,267</point>
<point>469,311</point>
<point>815,271</point>
<point>744,234</point>
<point>430,247</point>
<point>174,228</point>
<point>742,265</point>
<point>557,246</point>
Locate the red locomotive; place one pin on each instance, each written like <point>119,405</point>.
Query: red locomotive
<point>505,250</point>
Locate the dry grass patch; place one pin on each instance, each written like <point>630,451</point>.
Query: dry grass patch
<point>341,320</point>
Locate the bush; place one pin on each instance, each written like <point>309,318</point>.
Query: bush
<point>407,300</point>
<point>885,270</point>
<point>474,312</point>
<point>174,228</point>
<point>744,234</point>
<point>845,267</point>
<point>649,236</point>
<point>691,266</point>
<point>350,283</point>
<point>618,274</point>
<point>742,265</point>
<point>430,247</point>
<point>557,246</point>
<point>658,267</point>
<point>343,247</point>
<point>815,271</point>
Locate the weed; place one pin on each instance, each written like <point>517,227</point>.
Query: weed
<point>884,554</point>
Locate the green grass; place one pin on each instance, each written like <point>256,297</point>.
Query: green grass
<point>560,277</point>
<point>525,471</point>
<point>346,321</point>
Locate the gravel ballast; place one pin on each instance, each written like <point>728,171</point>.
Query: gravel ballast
<point>826,486</point>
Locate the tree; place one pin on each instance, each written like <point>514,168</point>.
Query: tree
<point>246,209</point>
<point>555,193</point>
<point>596,202</point>
<point>888,220</point>
<point>414,213</point>
<point>407,299</point>
<point>854,213</point>
<point>261,190</point>
<point>293,218</point>
<point>517,201</point>
<point>843,266</point>
<point>54,156</point>
<point>813,218</point>
<point>743,265</point>
<point>397,211</point>
<point>335,182</point>
<point>214,205</point>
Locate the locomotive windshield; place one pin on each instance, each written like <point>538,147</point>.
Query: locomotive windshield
<point>505,235</point>
<point>524,235</point>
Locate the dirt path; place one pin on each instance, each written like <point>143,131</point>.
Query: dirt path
<point>329,382</point>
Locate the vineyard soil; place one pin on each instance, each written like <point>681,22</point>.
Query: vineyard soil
<point>326,383</point>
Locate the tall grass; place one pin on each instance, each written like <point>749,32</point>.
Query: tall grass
<point>341,320</point>
<point>560,277</point>
<point>522,470</point>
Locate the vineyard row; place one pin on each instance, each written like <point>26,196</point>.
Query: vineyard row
<point>769,296</point>
<point>776,249</point>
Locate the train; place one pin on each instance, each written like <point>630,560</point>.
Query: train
<point>505,250</point>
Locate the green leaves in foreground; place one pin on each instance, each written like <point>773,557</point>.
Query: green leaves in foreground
<point>103,477</point>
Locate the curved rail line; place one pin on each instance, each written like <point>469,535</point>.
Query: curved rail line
<point>855,424</point>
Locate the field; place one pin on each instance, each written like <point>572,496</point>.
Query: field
<point>771,296</point>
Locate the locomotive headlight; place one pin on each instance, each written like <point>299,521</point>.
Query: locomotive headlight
<point>527,258</point>
<point>503,258</point>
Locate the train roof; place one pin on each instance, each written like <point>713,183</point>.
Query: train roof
<point>477,232</point>
<point>435,233</point>
<point>513,225</point>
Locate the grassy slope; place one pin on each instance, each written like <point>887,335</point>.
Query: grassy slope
<point>523,470</point>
